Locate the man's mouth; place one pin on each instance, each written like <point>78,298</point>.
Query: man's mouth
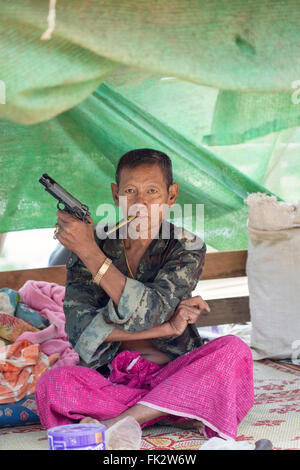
<point>139,216</point>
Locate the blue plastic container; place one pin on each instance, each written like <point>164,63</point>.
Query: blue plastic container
<point>81,436</point>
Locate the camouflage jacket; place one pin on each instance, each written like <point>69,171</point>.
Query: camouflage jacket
<point>168,273</point>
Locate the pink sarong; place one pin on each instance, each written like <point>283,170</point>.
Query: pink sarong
<point>213,384</point>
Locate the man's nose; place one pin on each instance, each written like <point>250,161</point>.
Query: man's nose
<point>139,207</point>
<point>141,199</point>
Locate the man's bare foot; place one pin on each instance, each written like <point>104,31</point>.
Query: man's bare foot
<point>88,419</point>
<point>107,422</point>
<point>141,413</point>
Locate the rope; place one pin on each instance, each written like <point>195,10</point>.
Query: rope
<point>51,21</point>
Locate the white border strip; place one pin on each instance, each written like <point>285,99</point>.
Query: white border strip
<point>185,415</point>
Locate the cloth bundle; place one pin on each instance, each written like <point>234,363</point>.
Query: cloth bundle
<point>35,314</point>
<point>21,365</point>
<point>27,351</point>
<point>47,299</point>
<point>16,317</point>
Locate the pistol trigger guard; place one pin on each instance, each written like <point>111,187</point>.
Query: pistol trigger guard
<point>59,208</point>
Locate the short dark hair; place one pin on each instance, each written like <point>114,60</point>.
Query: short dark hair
<point>137,157</point>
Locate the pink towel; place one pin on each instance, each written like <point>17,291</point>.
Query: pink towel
<point>47,299</point>
<point>213,384</point>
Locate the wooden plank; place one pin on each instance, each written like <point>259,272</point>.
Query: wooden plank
<point>224,264</point>
<point>230,310</point>
<point>218,265</point>
<point>16,279</point>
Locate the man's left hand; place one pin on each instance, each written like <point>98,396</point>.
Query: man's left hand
<point>75,234</point>
<point>187,312</point>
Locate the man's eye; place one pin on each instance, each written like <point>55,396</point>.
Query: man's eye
<point>129,190</point>
<point>152,190</point>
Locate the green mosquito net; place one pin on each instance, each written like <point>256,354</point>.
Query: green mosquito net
<point>214,84</point>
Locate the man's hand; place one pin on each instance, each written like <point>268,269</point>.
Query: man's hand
<point>187,312</point>
<point>74,234</point>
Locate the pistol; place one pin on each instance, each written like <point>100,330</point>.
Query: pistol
<point>71,205</point>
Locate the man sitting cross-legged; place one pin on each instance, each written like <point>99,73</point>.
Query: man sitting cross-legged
<point>134,328</point>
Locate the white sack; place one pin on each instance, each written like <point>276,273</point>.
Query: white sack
<point>273,270</point>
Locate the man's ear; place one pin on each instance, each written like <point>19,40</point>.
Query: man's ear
<point>115,193</point>
<point>173,193</point>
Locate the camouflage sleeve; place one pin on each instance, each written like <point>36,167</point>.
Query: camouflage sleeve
<point>150,304</point>
<point>85,311</point>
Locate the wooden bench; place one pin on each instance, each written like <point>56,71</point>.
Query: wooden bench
<point>219,265</point>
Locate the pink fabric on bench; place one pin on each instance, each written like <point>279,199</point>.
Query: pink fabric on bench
<point>47,299</point>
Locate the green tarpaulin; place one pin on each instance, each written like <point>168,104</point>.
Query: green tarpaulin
<point>212,84</point>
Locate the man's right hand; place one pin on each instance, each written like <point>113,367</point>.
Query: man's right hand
<point>187,312</point>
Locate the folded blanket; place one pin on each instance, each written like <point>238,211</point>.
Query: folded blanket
<point>11,327</point>
<point>21,365</point>
<point>47,299</point>
<point>11,305</point>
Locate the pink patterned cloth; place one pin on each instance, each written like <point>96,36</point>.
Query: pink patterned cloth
<point>47,299</point>
<point>129,368</point>
<point>213,384</point>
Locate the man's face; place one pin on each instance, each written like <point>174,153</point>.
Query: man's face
<point>144,193</point>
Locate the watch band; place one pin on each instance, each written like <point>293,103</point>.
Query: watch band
<point>103,268</point>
